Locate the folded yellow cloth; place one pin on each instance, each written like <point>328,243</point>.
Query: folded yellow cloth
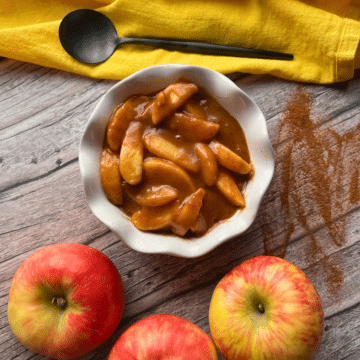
<point>323,35</point>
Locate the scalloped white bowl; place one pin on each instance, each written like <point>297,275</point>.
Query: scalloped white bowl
<point>237,103</point>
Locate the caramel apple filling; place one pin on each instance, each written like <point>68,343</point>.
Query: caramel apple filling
<point>176,161</point>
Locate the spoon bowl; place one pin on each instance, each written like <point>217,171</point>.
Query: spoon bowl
<point>90,37</point>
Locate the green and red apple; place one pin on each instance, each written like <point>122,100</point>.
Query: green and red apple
<point>164,337</point>
<point>65,300</point>
<point>266,308</point>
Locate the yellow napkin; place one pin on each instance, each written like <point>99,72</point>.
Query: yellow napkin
<point>323,35</point>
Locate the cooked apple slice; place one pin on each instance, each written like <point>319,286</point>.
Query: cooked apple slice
<point>138,102</point>
<point>208,163</point>
<point>188,212</point>
<point>170,99</point>
<point>164,172</point>
<point>163,147</point>
<point>131,154</point>
<point>200,226</point>
<point>118,125</point>
<point>110,176</point>
<point>154,218</point>
<point>192,128</point>
<point>156,196</point>
<point>193,108</point>
<point>145,117</point>
<point>229,159</point>
<point>227,185</point>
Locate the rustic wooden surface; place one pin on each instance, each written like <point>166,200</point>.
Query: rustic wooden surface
<point>43,113</point>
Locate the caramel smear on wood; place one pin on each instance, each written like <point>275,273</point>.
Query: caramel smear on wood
<point>319,179</point>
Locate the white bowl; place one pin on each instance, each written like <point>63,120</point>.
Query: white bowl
<point>234,100</point>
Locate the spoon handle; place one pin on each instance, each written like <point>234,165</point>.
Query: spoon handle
<point>208,49</point>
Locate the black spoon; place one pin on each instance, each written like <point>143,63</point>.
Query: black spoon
<point>90,37</point>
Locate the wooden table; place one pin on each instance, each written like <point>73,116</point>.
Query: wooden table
<point>310,214</point>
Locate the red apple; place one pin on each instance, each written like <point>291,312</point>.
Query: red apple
<point>161,337</point>
<point>65,300</point>
<point>266,308</point>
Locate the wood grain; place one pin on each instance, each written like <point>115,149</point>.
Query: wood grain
<point>43,114</point>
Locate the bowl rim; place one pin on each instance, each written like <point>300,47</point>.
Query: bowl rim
<point>118,222</point>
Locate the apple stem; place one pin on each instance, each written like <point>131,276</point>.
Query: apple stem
<point>261,308</point>
<point>59,301</point>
